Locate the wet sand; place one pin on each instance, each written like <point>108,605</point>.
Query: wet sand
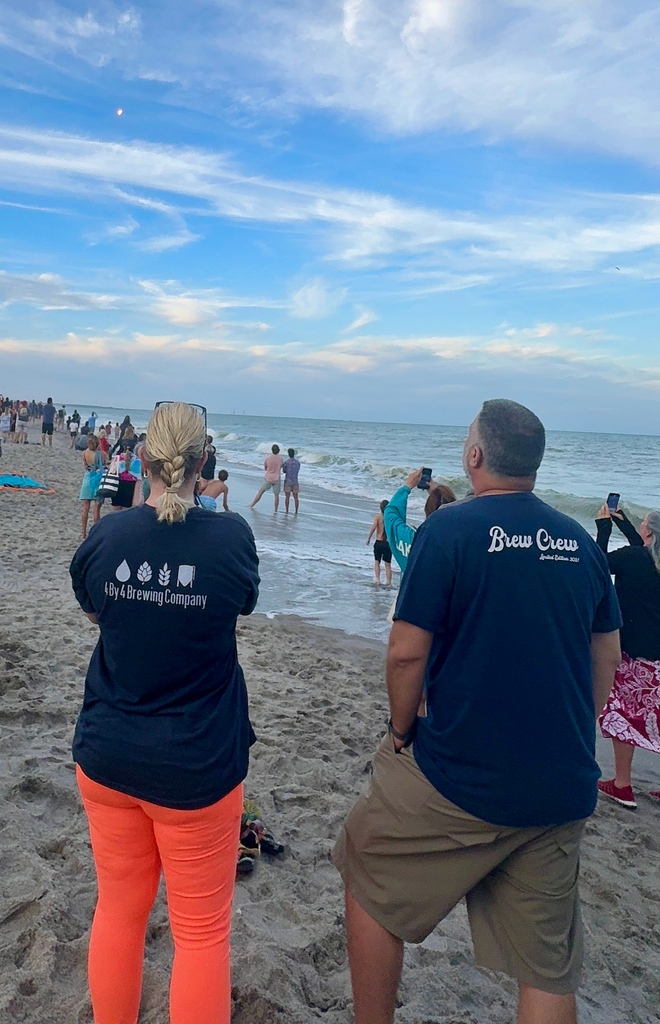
<point>318,706</point>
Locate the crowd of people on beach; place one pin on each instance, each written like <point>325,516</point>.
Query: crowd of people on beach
<point>513,634</point>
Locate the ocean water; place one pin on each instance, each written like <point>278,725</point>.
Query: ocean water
<point>317,565</point>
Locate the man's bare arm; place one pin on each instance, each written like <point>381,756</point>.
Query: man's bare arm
<point>92,617</point>
<point>407,654</point>
<point>605,659</point>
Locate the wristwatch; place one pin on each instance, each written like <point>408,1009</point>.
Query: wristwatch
<point>405,737</point>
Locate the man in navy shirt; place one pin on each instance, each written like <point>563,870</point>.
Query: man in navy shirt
<point>508,615</point>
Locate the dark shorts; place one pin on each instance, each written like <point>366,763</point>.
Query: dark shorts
<point>408,856</point>
<point>123,498</point>
<point>46,428</point>
<point>383,551</point>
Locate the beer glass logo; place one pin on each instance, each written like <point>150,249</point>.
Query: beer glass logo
<point>185,576</point>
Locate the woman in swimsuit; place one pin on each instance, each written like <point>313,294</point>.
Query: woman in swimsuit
<point>93,461</point>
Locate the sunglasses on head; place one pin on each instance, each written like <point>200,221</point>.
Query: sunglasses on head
<point>201,409</point>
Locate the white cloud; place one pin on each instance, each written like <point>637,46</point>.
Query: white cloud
<point>164,243</point>
<point>569,231</point>
<point>45,30</point>
<point>579,73</point>
<point>127,227</point>
<point>539,353</point>
<point>187,308</point>
<point>315,300</point>
<point>364,318</point>
<point>583,73</point>
<point>49,292</point>
<point>331,359</point>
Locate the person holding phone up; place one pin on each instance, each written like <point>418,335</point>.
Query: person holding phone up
<point>399,534</point>
<point>631,717</point>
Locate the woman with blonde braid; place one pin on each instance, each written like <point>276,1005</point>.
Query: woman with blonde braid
<point>161,745</point>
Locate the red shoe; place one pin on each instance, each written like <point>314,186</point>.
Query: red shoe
<point>655,793</point>
<point>623,796</point>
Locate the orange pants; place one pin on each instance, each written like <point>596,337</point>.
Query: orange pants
<point>132,840</point>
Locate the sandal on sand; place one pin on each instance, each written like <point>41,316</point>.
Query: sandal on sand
<point>250,841</point>
<point>244,865</point>
<point>268,843</point>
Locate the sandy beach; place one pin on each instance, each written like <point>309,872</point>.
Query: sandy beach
<point>318,707</point>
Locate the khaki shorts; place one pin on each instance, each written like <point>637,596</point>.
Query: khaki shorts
<point>272,485</point>
<point>291,488</point>
<point>408,856</point>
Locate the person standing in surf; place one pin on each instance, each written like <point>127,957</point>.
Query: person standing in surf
<point>382,549</point>
<point>291,469</point>
<point>272,478</point>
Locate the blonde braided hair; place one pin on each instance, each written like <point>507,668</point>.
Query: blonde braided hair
<point>176,437</point>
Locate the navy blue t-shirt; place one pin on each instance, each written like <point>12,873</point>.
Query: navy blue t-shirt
<point>165,714</point>
<point>512,591</point>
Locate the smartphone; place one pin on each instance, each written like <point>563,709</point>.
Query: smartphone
<point>425,479</point>
<point>613,501</point>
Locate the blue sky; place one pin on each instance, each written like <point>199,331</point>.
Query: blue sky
<point>378,209</point>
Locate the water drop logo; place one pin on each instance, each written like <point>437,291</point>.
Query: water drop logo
<point>123,572</point>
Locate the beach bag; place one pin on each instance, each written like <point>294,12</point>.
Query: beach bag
<point>109,484</point>
<point>95,476</point>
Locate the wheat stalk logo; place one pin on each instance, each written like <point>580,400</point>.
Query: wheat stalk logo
<point>164,575</point>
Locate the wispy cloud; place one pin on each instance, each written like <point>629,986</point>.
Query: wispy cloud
<point>568,231</point>
<point>315,300</point>
<point>186,308</point>
<point>538,352</point>
<point>578,73</point>
<point>364,318</point>
<point>164,243</point>
<point>45,30</point>
<point>49,292</point>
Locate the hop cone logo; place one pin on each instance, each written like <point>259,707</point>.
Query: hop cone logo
<point>144,573</point>
<point>164,575</point>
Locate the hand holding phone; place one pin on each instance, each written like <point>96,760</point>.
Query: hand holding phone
<point>425,479</point>
<point>613,501</point>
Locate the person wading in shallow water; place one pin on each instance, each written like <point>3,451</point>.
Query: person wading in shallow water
<point>486,797</point>
<point>382,549</point>
<point>161,744</point>
<point>272,478</point>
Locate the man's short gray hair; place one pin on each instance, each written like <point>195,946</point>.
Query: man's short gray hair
<point>512,438</point>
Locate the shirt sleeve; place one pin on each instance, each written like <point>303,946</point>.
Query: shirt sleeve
<point>252,564</point>
<point>76,570</point>
<point>629,531</point>
<point>607,617</point>
<point>603,533</point>
<point>428,582</point>
<point>399,535</point>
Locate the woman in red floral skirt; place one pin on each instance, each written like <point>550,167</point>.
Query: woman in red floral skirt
<point>631,717</point>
